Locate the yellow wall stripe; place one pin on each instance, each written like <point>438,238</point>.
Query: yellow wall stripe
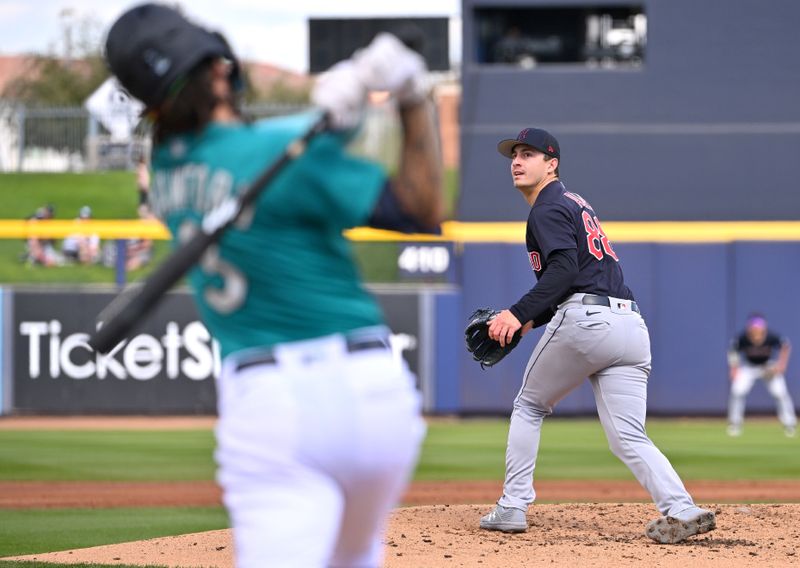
<point>702,231</point>
<point>12,229</point>
<point>619,231</point>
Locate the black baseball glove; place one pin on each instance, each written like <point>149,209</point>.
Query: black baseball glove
<point>484,349</point>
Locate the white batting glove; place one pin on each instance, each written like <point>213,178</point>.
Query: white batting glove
<point>388,65</point>
<point>341,93</point>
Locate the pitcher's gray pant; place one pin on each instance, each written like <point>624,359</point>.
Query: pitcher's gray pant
<point>610,346</point>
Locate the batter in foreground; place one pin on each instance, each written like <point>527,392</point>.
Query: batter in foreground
<point>319,424</point>
<point>594,329</point>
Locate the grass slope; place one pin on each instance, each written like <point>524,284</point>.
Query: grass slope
<point>113,195</point>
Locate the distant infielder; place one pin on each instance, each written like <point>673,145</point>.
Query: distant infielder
<point>319,425</point>
<point>595,330</point>
<point>757,353</point>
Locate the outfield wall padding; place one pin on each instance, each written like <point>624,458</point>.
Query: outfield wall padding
<point>694,298</point>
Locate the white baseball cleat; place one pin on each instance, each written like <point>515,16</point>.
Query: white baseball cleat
<point>790,431</point>
<point>505,519</point>
<point>669,530</point>
<point>734,430</point>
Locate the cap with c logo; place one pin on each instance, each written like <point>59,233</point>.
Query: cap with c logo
<point>534,137</point>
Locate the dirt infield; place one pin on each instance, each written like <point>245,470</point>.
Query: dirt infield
<point>599,535</point>
<point>106,494</point>
<point>602,525</point>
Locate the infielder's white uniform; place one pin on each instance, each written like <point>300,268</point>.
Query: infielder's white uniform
<point>755,354</point>
<point>746,376</point>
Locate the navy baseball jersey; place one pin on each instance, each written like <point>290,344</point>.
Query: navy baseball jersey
<point>562,220</point>
<point>757,354</point>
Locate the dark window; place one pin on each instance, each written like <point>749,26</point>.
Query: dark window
<point>596,36</point>
<point>331,40</point>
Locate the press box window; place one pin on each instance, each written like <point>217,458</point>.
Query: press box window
<point>595,36</point>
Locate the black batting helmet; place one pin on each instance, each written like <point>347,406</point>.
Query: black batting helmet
<point>151,46</point>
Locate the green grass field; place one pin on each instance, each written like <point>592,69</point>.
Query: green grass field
<point>40,530</point>
<point>117,455</point>
<point>111,195</point>
<point>454,450</point>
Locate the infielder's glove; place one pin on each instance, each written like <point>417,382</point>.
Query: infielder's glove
<point>484,349</point>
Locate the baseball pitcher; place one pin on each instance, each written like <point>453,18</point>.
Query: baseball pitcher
<point>594,329</point>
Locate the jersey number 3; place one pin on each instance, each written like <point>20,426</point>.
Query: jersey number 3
<point>596,239</point>
<point>231,295</point>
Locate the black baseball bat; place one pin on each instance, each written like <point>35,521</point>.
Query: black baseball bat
<point>132,306</point>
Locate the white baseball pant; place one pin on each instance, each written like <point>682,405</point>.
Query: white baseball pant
<point>314,450</point>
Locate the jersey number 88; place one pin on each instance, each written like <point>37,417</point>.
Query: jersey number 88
<point>596,238</point>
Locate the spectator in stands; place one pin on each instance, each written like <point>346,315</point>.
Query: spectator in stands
<point>143,185</point>
<point>82,248</point>
<point>140,251</point>
<point>42,251</point>
<point>514,47</point>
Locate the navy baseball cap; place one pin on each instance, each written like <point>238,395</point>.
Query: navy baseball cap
<point>152,46</point>
<point>534,137</point>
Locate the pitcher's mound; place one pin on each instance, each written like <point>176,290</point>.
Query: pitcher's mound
<point>576,535</point>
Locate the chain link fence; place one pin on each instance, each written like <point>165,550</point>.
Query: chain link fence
<point>69,139</point>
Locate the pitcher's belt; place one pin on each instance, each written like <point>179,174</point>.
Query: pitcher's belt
<point>594,300</point>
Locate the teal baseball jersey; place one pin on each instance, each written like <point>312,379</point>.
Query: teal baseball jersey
<point>285,271</point>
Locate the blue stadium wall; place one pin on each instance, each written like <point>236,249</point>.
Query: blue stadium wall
<point>694,298</point>
<point>708,121</point>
